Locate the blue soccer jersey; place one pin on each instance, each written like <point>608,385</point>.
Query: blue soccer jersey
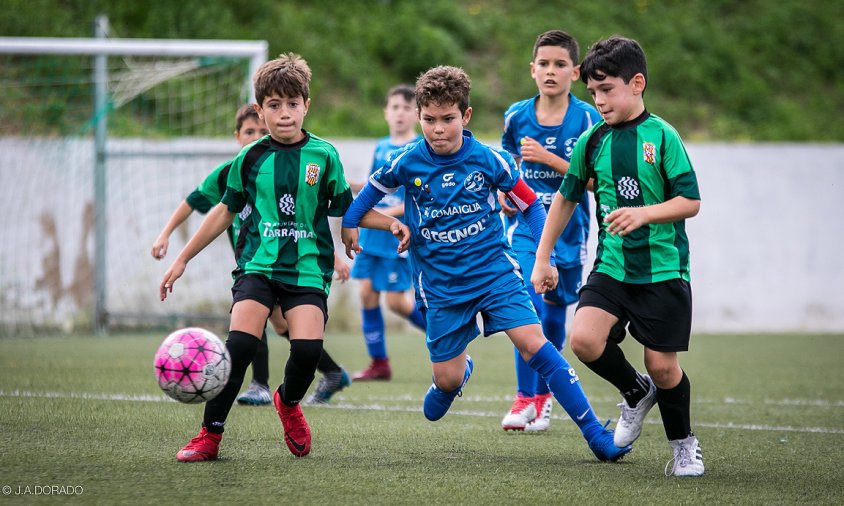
<point>382,243</point>
<point>458,247</point>
<point>519,122</point>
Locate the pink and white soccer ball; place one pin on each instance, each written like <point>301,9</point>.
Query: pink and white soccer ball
<point>192,365</point>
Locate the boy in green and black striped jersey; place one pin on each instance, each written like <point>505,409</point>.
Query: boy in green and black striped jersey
<point>645,188</point>
<point>293,181</point>
<point>248,129</point>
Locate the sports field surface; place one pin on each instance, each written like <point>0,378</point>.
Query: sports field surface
<point>83,415</point>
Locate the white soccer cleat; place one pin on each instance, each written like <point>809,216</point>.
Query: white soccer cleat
<point>688,458</point>
<point>629,426</point>
<point>521,413</point>
<point>544,403</point>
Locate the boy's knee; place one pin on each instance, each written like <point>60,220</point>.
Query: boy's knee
<point>586,347</point>
<point>664,374</point>
<point>449,381</point>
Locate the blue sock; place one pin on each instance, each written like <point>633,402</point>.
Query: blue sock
<point>528,381</point>
<point>554,328</point>
<point>526,377</point>
<point>565,385</point>
<point>373,332</point>
<point>416,318</point>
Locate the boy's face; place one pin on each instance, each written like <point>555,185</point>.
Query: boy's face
<point>616,101</point>
<point>442,126</point>
<point>284,116</point>
<point>400,115</point>
<point>250,130</point>
<point>553,70</point>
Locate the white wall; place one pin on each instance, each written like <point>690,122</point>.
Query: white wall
<point>764,248</point>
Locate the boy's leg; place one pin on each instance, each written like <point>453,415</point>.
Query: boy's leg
<point>449,377</point>
<point>564,383</point>
<point>258,393</point>
<point>307,329</point>
<point>448,334</point>
<point>553,318</point>
<point>591,344</point>
<point>673,394</point>
<point>247,321</point>
<point>400,304</point>
<point>372,323</point>
<point>524,410</point>
<point>334,378</point>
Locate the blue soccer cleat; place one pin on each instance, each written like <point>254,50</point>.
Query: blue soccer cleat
<point>437,402</point>
<point>605,449</point>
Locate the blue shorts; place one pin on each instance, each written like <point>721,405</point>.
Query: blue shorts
<point>386,274</point>
<point>451,329</point>
<point>568,284</point>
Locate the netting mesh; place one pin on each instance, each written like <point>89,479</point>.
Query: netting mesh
<point>170,122</point>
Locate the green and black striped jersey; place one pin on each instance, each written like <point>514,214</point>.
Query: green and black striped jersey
<point>210,192</point>
<point>640,163</point>
<point>292,190</point>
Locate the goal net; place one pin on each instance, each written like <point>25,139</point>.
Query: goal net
<point>101,139</point>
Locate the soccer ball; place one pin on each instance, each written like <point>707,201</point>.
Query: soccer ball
<point>192,365</point>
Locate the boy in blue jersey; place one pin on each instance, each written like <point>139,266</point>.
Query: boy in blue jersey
<point>379,267</point>
<point>645,188</point>
<point>461,262</point>
<point>540,133</point>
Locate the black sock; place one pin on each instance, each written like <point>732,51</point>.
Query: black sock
<point>675,410</point>
<point>327,364</point>
<point>300,368</point>
<point>241,348</point>
<point>614,367</point>
<point>261,362</point>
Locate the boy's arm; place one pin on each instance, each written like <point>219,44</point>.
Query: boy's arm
<point>624,220</point>
<point>360,213</point>
<point>544,275</point>
<point>213,225</point>
<point>159,247</point>
<point>534,152</point>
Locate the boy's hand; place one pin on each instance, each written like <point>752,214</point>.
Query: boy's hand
<point>402,233</point>
<point>341,269</point>
<point>159,247</point>
<point>533,151</point>
<point>544,277</point>
<point>173,273</point>
<point>624,220</point>
<point>349,236</point>
<point>506,208</point>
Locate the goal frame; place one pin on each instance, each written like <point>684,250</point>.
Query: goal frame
<point>100,48</point>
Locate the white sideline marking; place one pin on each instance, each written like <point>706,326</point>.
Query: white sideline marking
<point>485,414</point>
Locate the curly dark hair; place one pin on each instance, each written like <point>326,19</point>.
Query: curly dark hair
<point>444,85</point>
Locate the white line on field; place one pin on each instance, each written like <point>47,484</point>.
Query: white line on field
<point>417,408</point>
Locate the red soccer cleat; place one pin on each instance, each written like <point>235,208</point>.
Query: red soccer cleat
<point>297,433</point>
<point>378,370</point>
<point>204,446</point>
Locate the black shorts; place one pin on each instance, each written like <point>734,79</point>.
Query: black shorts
<point>658,315</point>
<point>271,293</point>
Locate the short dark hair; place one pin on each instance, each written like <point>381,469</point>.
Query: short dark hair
<point>442,86</point>
<point>287,76</point>
<point>558,38</point>
<point>614,57</point>
<point>245,111</point>
<point>405,90</point>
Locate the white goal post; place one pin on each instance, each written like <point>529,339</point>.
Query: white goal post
<point>158,60</point>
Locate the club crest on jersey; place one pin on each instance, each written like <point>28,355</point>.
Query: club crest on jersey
<point>474,182</point>
<point>312,173</point>
<point>649,152</point>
